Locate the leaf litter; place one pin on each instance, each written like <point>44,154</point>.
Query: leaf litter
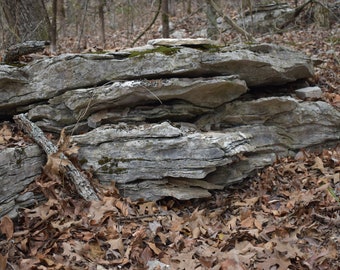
<point>285,217</point>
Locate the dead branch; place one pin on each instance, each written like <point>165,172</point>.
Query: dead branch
<point>149,26</point>
<point>299,9</point>
<point>296,13</point>
<point>81,184</point>
<point>325,219</point>
<point>231,22</point>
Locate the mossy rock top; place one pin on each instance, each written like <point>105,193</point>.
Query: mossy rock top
<point>159,49</point>
<point>182,42</point>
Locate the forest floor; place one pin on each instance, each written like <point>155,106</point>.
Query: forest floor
<point>287,216</point>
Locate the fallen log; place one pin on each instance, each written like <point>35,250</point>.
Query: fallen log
<point>13,53</point>
<point>81,183</point>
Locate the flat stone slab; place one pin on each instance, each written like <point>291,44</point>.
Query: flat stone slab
<point>127,153</point>
<point>75,105</point>
<point>181,42</point>
<point>44,79</point>
<point>309,93</point>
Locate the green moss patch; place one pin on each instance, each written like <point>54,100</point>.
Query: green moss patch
<point>160,49</point>
<point>110,165</point>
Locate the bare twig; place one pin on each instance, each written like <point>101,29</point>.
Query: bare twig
<point>325,219</point>
<point>231,22</point>
<point>297,12</point>
<point>83,24</point>
<point>149,26</point>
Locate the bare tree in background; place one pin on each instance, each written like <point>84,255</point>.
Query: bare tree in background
<point>61,16</point>
<point>101,5</point>
<point>172,8</point>
<point>82,26</point>
<point>150,24</point>
<point>165,19</point>
<point>188,7</point>
<point>212,31</point>
<point>129,18</point>
<point>26,20</point>
<point>54,26</point>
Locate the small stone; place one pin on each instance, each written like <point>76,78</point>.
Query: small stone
<point>330,52</point>
<point>25,197</point>
<point>157,265</point>
<point>309,92</point>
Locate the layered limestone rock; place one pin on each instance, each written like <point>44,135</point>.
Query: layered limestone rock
<point>257,65</point>
<point>79,104</point>
<point>174,118</point>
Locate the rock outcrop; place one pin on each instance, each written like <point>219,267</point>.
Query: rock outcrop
<point>174,118</point>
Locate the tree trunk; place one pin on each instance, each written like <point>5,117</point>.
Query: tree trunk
<point>188,7</point>
<point>54,27</point>
<point>129,18</point>
<point>172,8</point>
<point>322,14</point>
<point>165,19</point>
<point>228,20</point>
<point>82,26</point>
<point>150,25</point>
<point>212,30</point>
<point>101,5</point>
<point>61,15</point>
<point>27,20</point>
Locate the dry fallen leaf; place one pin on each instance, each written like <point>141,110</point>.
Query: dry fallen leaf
<point>232,262</point>
<point>5,134</point>
<point>117,244</point>
<point>3,261</point>
<point>7,227</point>
<point>319,165</point>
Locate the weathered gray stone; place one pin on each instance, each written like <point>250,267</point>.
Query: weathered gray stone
<point>155,189</point>
<point>240,113</point>
<point>267,18</point>
<point>174,111</point>
<point>158,151</point>
<point>18,168</point>
<point>309,93</point>
<point>182,42</point>
<point>301,123</point>
<point>167,123</point>
<point>260,64</point>
<point>11,75</point>
<point>275,16</point>
<point>78,104</point>
<point>51,77</point>
<point>265,129</point>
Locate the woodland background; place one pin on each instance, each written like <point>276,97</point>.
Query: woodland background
<point>76,25</point>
